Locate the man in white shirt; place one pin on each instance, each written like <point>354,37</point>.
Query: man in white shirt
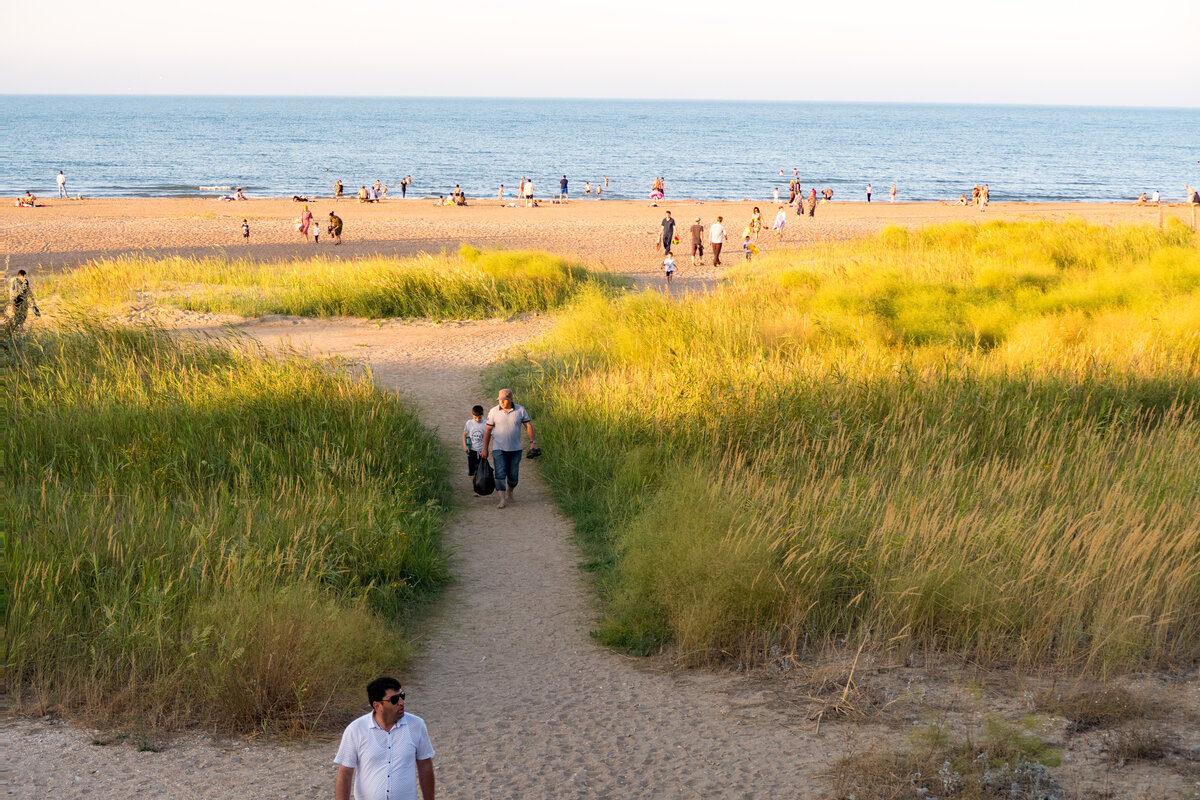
<point>386,753</point>
<point>62,184</point>
<point>716,236</point>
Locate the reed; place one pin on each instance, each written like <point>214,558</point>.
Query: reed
<point>197,533</point>
<point>469,285</point>
<point>977,439</point>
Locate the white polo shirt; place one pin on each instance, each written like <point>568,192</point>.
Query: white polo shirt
<point>384,762</point>
<point>716,234</point>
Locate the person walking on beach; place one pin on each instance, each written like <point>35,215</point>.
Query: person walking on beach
<point>529,194</point>
<point>335,227</point>
<point>404,186</point>
<point>245,231</point>
<point>669,268</point>
<point>502,435</point>
<point>756,224</point>
<point>668,233</point>
<point>385,753</point>
<point>780,222</point>
<point>868,192</point>
<point>337,191</point>
<point>716,237</point>
<point>62,185</point>
<point>776,194</point>
<point>306,219</point>
<point>697,231</point>
<point>892,193</point>
<point>562,190</point>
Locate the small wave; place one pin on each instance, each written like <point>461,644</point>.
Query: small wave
<point>215,188</point>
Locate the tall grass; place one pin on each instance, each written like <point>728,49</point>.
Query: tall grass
<point>978,439</point>
<point>469,285</point>
<point>197,533</point>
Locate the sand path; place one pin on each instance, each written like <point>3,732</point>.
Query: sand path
<point>519,700</point>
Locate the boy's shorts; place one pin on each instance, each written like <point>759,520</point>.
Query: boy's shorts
<point>472,463</point>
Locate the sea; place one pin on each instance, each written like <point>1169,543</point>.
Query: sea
<point>208,146</point>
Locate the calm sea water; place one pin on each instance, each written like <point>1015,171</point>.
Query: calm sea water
<point>280,146</point>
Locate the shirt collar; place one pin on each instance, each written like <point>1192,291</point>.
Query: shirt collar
<point>375,723</point>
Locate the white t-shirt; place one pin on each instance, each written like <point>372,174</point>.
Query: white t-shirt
<point>474,432</point>
<point>384,762</point>
<point>62,179</point>
<point>669,265</point>
<point>716,234</point>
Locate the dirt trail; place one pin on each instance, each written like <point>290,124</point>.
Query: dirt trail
<point>518,699</point>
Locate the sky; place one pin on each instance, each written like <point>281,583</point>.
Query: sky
<point>1020,51</point>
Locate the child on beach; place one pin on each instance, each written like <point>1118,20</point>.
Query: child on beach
<point>246,230</point>
<point>472,439</point>
<point>669,267</point>
<point>748,248</point>
<point>316,234</point>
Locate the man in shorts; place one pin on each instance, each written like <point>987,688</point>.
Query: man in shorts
<point>562,190</point>
<point>697,242</point>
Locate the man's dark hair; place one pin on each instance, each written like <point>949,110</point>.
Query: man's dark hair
<point>477,411</point>
<point>20,272</point>
<point>377,688</point>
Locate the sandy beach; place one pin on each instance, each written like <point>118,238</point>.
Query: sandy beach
<point>518,698</point>
<point>616,236</point>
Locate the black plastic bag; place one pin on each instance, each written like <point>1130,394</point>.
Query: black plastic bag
<point>485,481</point>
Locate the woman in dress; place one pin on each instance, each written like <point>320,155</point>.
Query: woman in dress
<point>305,222</point>
<point>756,224</point>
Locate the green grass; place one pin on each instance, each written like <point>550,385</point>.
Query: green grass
<point>196,533</point>
<point>977,439</point>
<point>469,285</point>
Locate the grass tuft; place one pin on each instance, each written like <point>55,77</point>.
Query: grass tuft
<point>470,285</point>
<point>195,532</point>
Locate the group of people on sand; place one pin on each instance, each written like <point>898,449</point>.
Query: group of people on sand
<point>1191,196</point>
<point>305,225</point>
<point>371,193</point>
<point>980,196</point>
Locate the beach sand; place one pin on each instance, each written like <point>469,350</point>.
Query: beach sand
<point>519,700</point>
<point>617,236</point>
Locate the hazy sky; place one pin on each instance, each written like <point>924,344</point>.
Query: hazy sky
<point>1019,51</point>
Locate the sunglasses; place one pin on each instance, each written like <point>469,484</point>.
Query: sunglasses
<point>394,699</point>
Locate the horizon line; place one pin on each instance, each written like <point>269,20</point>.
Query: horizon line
<point>557,98</point>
